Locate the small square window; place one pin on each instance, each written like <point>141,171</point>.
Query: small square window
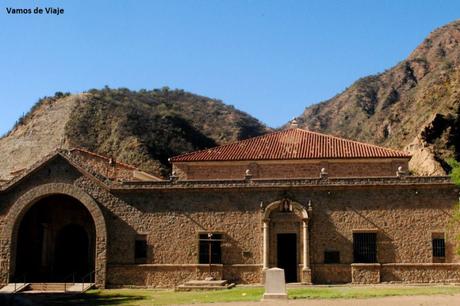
<point>331,257</point>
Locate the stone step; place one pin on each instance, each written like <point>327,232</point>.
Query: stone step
<point>14,287</point>
<point>200,285</point>
<point>58,287</point>
<point>209,283</point>
<point>80,287</point>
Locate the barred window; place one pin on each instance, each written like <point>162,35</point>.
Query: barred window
<point>439,247</point>
<point>331,257</point>
<point>364,247</point>
<point>210,248</point>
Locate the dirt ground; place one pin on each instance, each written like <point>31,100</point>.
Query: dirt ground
<point>435,300</point>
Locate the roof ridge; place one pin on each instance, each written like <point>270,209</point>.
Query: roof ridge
<point>131,167</point>
<point>227,144</point>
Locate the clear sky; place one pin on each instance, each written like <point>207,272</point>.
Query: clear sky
<point>268,58</point>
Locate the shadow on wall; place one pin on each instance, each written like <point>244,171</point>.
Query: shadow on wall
<point>322,240</point>
<point>121,232</point>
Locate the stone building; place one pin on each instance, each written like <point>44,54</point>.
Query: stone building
<point>325,209</point>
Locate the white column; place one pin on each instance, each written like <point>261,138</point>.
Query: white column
<point>306,259</point>
<point>265,250</point>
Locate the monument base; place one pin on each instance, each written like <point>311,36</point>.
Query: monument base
<point>274,296</point>
<point>306,277</point>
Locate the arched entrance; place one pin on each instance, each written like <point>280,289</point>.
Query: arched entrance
<point>56,241</point>
<point>285,239</point>
<point>19,240</point>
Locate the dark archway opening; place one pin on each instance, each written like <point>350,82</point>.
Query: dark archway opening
<point>72,251</point>
<point>56,241</point>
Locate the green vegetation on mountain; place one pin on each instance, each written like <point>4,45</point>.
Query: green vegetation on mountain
<point>414,105</point>
<point>143,128</point>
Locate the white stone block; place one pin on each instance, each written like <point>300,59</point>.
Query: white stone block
<point>275,284</point>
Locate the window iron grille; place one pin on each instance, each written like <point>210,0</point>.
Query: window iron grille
<point>439,247</point>
<point>364,247</point>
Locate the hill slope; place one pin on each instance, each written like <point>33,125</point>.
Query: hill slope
<point>414,105</point>
<point>142,128</point>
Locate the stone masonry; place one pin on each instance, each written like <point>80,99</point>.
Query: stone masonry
<point>251,214</point>
<point>404,213</point>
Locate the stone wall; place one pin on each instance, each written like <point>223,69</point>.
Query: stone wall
<point>365,273</point>
<point>331,273</point>
<point>288,169</point>
<point>403,216</point>
<point>421,273</point>
<point>172,275</point>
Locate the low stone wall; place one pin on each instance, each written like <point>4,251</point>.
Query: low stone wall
<point>421,272</point>
<point>330,273</point>
<point>169,276</point>
<point>243,273</point>
<point>365,273</point>
<point>161,276</point>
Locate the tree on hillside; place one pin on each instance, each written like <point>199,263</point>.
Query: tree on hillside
<point>455,176</point>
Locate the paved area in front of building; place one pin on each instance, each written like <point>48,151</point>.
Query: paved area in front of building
<point>435,300</point>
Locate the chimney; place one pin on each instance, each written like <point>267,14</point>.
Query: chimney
<point>294,124</point>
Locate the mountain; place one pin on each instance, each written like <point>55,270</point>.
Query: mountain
<point>414,106</point>
<point>142,128</point>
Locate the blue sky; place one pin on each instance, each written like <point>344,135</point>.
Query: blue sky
<point>268,58</point>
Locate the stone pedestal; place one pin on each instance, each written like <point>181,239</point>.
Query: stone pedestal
<point>275,285</point>
<point>306,277</point>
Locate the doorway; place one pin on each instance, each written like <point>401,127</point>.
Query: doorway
<point>287,256</point>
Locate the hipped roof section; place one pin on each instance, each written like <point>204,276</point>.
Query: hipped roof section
<point>291,144</point>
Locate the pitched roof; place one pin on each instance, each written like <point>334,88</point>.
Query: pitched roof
<point>108,167</point>
<point>291,144</point>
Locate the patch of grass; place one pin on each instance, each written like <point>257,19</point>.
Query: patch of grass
<point>345,292</point>
<point>144,297</point>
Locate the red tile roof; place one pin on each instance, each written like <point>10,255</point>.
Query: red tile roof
<point>291,144</point>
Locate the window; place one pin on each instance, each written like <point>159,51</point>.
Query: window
<point>140,249</point>
<point>210,248</point>
<point>331,257</point>
<point>439,245</point>
<point>364,247</point>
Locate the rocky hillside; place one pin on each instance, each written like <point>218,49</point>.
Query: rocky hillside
<point>414,105</point>
<point>142,128</point>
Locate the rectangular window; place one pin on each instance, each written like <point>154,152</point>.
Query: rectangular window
<point>210,248</point>
<point>438,245</point>
<point>364,247</point>
<point>140,249</point>
<point>331,257</point>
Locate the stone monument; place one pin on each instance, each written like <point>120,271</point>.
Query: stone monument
<point>275,285</point>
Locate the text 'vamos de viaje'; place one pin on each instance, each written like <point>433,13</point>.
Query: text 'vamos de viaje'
<point>35,11</point>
